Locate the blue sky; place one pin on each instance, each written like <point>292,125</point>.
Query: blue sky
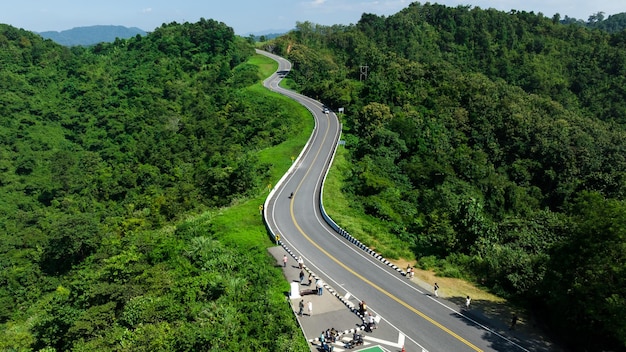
<point>252,16</point>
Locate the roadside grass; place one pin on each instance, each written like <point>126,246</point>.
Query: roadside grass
<point>266,65</point>
<point>449,286</point>
<point>242,223</point>
<point>372,232</point>
<point>287,83</point>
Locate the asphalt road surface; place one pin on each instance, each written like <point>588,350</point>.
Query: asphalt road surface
<point>428,323</point>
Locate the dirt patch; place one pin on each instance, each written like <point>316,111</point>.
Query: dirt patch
<point>449,287</point>
<point>402,263</point>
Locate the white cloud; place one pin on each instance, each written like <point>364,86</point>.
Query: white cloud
<point>146,10</point>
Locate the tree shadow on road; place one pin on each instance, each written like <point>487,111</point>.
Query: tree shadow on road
<point>527,332</point>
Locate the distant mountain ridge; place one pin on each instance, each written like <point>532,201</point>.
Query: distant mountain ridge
<point>91,35</point>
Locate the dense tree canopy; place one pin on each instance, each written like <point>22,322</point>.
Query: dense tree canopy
<point>101,148</point>
<point>494,141</point>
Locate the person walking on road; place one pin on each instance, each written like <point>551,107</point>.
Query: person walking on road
<point>301,276</point>
<point>284,261</point>
<point>513,322</point>
<point>468,300</point>
<point>320,287</point>
<point>436,289</point>
<point>310,307</point>
<point>300,262</point>
<point>301,307</point>
<point>310,279</point>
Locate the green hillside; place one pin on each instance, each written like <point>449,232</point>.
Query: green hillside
<point>130,175</point>
<point>491,145</point>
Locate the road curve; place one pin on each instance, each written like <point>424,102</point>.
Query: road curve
<point>429,324</point>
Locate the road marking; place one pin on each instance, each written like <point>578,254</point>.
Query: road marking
<point>398,344</point>
<point>344,342</point>
<point>380,289</point>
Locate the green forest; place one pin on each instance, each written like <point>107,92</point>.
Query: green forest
<point>494,144</point>
<point>117,164</point>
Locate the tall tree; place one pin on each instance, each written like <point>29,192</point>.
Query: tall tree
<point>586,280</point>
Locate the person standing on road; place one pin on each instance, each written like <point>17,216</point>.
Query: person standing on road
<point>284,261</point>
<point>468,300</point>
<point>320,287</point>
<point>371,322</point>
<point>301,276</point>
<point>310,279</point>
<point>436,289</point>
<point>300,262</point>
<point>310,307</point>
<point>363,308</point>
<point>301,307</point>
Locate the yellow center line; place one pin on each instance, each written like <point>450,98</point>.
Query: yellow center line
<point>380,289</point>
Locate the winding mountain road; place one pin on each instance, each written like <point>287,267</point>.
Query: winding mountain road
<point>428,323</point>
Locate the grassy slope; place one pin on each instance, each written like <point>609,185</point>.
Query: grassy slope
<point>370,231</point>
<point>242,222</point>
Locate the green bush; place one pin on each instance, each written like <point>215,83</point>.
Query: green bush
<point>428,263</point>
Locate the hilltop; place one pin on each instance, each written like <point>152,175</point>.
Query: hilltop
<point>92,35</point>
